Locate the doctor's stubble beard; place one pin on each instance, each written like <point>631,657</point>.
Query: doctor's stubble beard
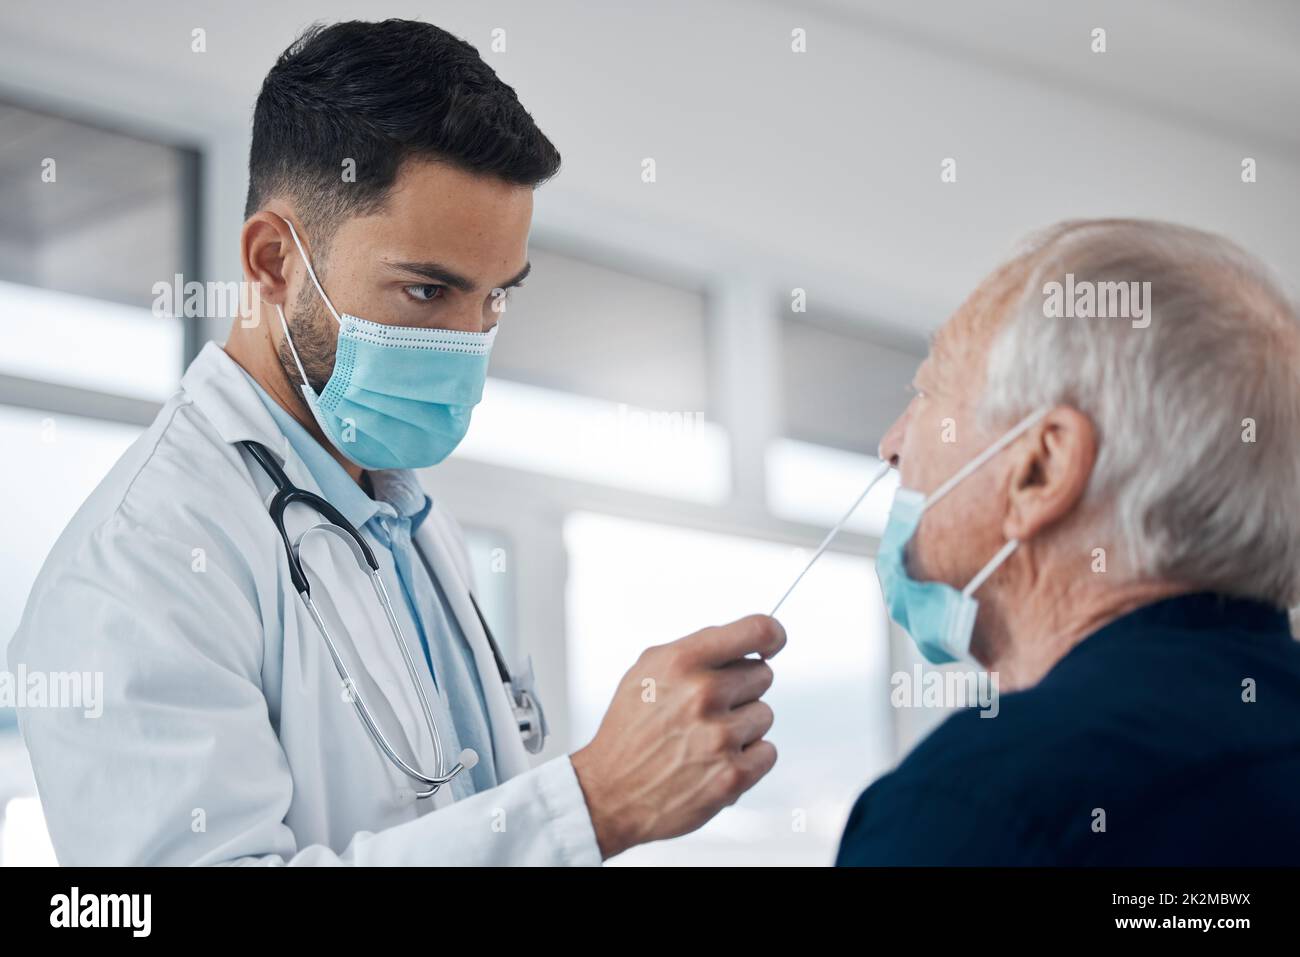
<point>315,335</point>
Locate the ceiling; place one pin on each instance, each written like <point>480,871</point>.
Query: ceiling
<point>817,170</point>
<point>1232,66</point>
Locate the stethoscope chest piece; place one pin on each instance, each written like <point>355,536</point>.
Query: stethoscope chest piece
<point>528,715</point>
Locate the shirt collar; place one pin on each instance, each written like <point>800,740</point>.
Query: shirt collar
<point>398,492</point>
<point>1195,613</point>
<point>403,491</point>
<point>1204,611</point>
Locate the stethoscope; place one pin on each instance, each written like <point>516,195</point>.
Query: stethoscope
<point>527,711</point>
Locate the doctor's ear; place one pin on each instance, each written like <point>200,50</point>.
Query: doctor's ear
<point>1053,463</point>
<point>266,254</point>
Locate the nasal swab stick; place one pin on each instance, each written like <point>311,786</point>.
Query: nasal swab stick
<point>880,473</point>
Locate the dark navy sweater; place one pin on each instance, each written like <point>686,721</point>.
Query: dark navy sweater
<point>1143,722</point>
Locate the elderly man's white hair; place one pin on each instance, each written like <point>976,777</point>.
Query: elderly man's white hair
<point>1198,413</point>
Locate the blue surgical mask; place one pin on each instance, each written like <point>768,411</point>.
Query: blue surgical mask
<point>939,618</point>
<point>399,396</point>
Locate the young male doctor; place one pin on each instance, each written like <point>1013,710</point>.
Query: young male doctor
<point>292,695</point>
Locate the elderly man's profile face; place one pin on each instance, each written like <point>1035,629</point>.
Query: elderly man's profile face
<point>938,433</point>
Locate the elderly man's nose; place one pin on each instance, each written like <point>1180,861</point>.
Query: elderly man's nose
<point>891,443</point>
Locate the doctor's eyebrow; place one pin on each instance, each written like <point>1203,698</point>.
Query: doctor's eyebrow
<point>435,272</point>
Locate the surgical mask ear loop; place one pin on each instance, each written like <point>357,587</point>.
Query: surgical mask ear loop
<point>1011,544</point>
<point>311,272</point>
<point>993,565</point>
<point>292,351</point>
<point>319,288</point>
<point>1018,430</point>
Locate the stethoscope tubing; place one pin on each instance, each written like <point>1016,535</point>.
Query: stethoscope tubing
<point>367,718</point>
<point>286,494</point>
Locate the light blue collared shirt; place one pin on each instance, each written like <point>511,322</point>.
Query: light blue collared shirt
<point>388,522</point>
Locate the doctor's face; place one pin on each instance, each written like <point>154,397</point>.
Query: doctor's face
<point>938,433</point>
<point>444,253</point>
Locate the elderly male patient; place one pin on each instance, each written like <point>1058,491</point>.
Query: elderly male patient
<point>1126,517</point>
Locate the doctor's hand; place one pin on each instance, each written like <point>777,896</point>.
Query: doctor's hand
<point>682,738</point>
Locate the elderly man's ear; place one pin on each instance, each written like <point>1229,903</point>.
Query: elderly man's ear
<point>1053,463</point>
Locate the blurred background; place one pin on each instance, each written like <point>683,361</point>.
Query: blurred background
<point>691,386</point>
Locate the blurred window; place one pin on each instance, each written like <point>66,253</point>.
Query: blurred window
<point>843,386</point>
<point>87,210</point>
<point>73,340</point>
<point>815,484</point>
<point>579,327</point>
<point>677,454</point>
<point>600,376</point>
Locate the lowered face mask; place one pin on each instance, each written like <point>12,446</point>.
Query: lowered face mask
<point>939,618</point>
<point>399,396</point>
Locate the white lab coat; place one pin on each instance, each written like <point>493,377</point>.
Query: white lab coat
<point>225,734</point>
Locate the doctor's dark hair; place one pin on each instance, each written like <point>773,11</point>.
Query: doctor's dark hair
<point>380,94</point>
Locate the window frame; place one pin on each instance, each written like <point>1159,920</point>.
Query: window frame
<point>58,398</point>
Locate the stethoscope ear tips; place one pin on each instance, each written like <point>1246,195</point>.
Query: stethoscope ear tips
<point>468,759</point>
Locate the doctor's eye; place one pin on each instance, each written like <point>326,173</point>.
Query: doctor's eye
<point>426,292</point>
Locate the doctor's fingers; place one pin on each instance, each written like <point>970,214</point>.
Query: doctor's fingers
<point>752,763</point>
<point>748,723</point>
<point>712,647</point>
<point>743,681</point>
